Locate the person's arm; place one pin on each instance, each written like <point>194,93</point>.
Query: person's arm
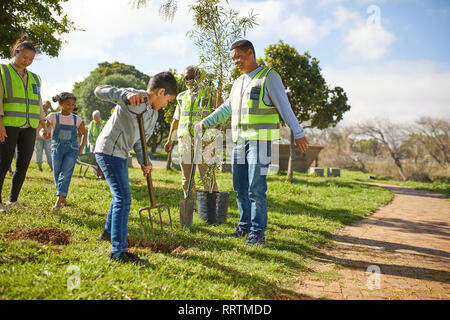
<point>277,94</point>
<point>137,147</point>
<point>124,97</point>
<point>279,98</point>
<point>218,116</point>
<point>173,128</point>
<point>90,135</point>
<point>83,132</point>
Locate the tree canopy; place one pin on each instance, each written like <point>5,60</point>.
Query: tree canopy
<point>115,74</point>
<point>312,100</point>
<point>37,19</point>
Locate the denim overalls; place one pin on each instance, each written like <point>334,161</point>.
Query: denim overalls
<point>64,154</point>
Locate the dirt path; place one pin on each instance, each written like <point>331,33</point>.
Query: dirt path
<point>405,245</point>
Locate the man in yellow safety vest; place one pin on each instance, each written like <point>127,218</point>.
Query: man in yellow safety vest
<point>193,105</point>
<point>256,102</point>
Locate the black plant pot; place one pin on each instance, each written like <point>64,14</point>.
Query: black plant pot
<point>212,207</point>
<point>222,207</point>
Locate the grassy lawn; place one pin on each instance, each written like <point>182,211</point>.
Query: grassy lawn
<point>191,264</point>
<point>435,186</point>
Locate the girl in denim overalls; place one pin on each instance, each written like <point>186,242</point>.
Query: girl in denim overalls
<point>65,147</point>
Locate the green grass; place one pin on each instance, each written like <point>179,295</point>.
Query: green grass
<point>302,215</point>
<point>435,186</point>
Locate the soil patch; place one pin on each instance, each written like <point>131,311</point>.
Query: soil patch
<point>46,234</point>
<point>158,247</point>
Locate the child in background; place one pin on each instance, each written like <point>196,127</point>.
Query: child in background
<point>65,147</point>
<point>118,137</point>
<point>43,143</point>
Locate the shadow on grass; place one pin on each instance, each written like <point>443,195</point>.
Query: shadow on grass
<point>256,286</point>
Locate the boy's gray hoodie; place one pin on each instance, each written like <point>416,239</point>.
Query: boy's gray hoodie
<point>121,131</point>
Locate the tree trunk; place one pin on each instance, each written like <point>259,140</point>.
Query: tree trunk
<point>290,170</point>
<point>169,161</point>
<point>400,168</point>
<point>154,144</point>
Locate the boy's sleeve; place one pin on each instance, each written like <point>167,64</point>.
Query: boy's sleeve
<point>137,147</point>
<point>112,94</point>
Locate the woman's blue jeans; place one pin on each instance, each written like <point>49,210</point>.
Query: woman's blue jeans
<point>115,170</point>
<point>251,161</point>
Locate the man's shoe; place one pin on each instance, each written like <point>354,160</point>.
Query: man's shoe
<point>3,208</point>
<point>127,257</point>
<point>106,236</point>
<point>15,205</point>
<point>255,240</point>
<point>239,233</point>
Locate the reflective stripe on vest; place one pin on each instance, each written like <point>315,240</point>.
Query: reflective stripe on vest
<point>192,112</point>
<point>21,103</point>
<point>252,119</point>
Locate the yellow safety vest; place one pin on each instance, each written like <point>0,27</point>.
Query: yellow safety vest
<point>95,131</point>
<point>252,119</point>
<point>193,111</point>
<point>20,102</point>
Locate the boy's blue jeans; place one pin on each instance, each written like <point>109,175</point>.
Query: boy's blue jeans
<point>64,158</point>
<point>115,170</point>
<point>251,161</point>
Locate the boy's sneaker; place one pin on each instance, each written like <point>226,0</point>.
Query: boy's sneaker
<point>129,257</point>
<point>105,236</point>
<point>255,240</point>
<point>15,205</point>
<point>3,208</point>
<point>239,233</point>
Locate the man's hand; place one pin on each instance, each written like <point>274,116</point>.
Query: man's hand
<point>3,134</point>
<point>146,169</point>
<point>168,146</point>
<point>135,99</point>
<point>302,144</point>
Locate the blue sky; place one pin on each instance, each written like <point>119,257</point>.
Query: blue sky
<point>397,68</point>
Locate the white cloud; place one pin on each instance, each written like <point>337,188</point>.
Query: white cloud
<point>108,23</point>
<point>50,89</point>
<point>399,91</point>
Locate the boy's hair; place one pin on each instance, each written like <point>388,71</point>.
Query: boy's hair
<point>164,80</point>
<point>64,96</point>
<point>23,43</point>
<point>243,45</point>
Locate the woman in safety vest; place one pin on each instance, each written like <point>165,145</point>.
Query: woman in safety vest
<point>21,112</point>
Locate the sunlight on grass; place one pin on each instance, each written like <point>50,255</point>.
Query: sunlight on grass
<point>200,265</point>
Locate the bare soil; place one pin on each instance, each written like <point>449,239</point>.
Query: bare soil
<point>45,234</point>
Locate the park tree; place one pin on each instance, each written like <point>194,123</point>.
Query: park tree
<point>42,20</point>
<point>434,135</point>
<point>313,101</point>
<point>216,28</point>
<point>389,135</point>
<point>115,74</point>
